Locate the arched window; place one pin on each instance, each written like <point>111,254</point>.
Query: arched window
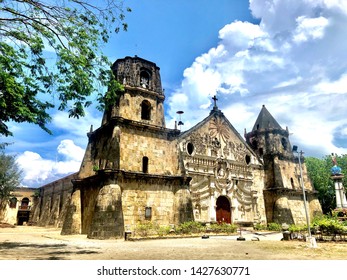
<point>145,164</point>
<point>13,202</point>
<point>25,203</point>
<point>145,110</point>
<point>144,78</point>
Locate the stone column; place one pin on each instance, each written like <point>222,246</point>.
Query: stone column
<point>73,220</point>
<point>108,221</point>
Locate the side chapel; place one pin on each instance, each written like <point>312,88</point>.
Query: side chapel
<point>136,169</point>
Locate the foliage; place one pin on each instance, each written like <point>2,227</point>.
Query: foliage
<point>223,228</point>
<point>297,228</point>
<point>50,56</point>
<point>189,227</point>
<point>329,224</point>
<point>144,228</point>
<point>319,173</point>
<point>9,175</point>
<point>260,226</point>
<point>274,227</point>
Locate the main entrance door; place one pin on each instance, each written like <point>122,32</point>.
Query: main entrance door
<point>223,214</point>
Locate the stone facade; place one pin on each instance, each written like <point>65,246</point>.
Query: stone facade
<point>135,169</point>
<point>283,194</point>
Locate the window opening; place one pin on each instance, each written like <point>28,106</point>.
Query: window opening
<point>145,164</point>
<point>144,79</point>
<point>25,203</point>
<point>145,110</point>
<point>148,213</point>
<point>248,159</point>
<point>13,202</point>
<point>190,148</point>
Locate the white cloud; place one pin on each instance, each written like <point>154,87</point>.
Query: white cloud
<point>294,62</point>
<point>74,128</point>
<point>309,28</point>
<point>38,171</point>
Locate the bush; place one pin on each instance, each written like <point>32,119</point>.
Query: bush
<point>260,226</point>
<point>274,227</point>
<point>329,225</point>
<point>144,228</point>
<point>297,228</point>
<point>189,227</point>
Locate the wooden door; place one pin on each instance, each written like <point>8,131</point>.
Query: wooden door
<point>223,213</point>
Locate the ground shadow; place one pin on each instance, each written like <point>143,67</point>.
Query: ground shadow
<point>44,251</point>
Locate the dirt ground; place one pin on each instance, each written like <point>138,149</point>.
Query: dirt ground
<point>35,243</point>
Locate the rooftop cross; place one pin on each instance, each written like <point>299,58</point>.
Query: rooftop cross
<point>215,102</point>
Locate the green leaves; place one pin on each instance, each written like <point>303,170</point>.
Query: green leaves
<point>49,49</point>
<point>319,172</point>
<point>9,175</point>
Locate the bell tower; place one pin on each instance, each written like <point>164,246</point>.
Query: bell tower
<point>267,137</point>
<point>143,96</point>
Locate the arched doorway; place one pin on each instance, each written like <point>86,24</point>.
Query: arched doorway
<point>223,213</point>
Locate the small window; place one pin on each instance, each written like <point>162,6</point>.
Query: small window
<point>145,110</point>
<point>148,213</point>
<point>145,164</point>
<point>248,159</point>
<point>13,202</point>
<point>190,148</point>
<point>292,183</point>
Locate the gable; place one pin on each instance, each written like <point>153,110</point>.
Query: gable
<point>215,137</point>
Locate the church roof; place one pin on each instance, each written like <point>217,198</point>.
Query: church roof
<point>265,121</point>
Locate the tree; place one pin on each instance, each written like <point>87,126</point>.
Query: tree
<point>320,175</point>
<point>50,57</point>
<point>10,175</point>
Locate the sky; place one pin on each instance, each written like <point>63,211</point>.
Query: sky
<point>289,55</point>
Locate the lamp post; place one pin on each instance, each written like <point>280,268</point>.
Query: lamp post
<point>312,240</point>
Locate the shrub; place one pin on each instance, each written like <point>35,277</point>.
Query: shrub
<point>144,228</point>
<point>260,226</point>
<point>163,230</point>
<point>189,227</point>
<point>297,228</point>
<point>274,227</point>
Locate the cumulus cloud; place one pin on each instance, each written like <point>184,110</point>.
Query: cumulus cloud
<point>294,61</point>
<point>38,170</point>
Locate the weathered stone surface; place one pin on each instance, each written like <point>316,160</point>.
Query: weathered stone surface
<point>108,219</point>
<point>135,169</point>
<point>72,222</point>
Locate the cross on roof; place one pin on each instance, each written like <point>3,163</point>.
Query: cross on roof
<point>215,101</point>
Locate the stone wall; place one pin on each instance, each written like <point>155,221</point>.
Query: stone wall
<point>104,205</point>
<point>53,203</point>
<point>130,106</point>
<point>162,154</point>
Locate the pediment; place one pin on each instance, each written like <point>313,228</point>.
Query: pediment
<point>215,137</point>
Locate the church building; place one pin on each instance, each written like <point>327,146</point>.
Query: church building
<point>135,169</point>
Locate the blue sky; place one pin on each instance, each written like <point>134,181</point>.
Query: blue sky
<point>289,55</point>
